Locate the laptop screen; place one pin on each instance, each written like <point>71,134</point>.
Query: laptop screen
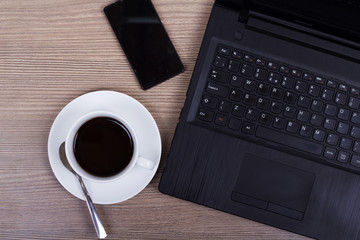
<point>336,17</point>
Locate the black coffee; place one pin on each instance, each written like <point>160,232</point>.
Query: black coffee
<point>103,146</point>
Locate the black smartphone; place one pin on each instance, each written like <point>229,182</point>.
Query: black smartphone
<point>144,40</point>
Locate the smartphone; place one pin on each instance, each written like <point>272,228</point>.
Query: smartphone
<point>144,40</point>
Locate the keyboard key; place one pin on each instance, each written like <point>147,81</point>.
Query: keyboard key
<point>327,94</point>
<point>304,101</point>
<point>217,89</point>
<point>329,123</point>
<point>247,70</point>
<point>317,106</point>
<point>354,103</point>
<point>319,135</point>
<point>355,161</point>
<point>249,58</point>
<point>276,93</point>
<point>274,78</point>
<point>343,87</point>
<point>220,62</point>
<point>308,76</point>
<point>332,139</point>
<point>272,65</point>
<point>355,132</point>
<point>343,128</point>
<point>296,73</point>
<point>330,110</point>
<point>303,116</point>
<point>320,80</point>
<point>233,66</point>
<point>355,91</point>
<point>343,157</point>
<point>223,50</point>
<point>284,69</point>
<point>219,76</point>
<point>289,140</point>
<point>290,97</point>
<point>260,74</point>
<point>234,123</point>
<point>292,127</point>
<point>263,89</point>
<point>209,101</point>
<point>248,128</point>
<point>262,103</point>
<point>236,81</point>
<point>279,123</point>
<point>221,120</point>
<point>314,90</point>
<point>331,83</point>
<point>287,82</point>
<point>238,110</point>
<point>305,131</point>
<point>224,106</point>
<point>345,143</point>
<point>250,85</point>
<point>235,95</point>
<point>355,117</point>
<point>249,99</point>
<point>344,114</point>
<point>300,86</point>
<point>276,107</point>
<point>289,111</point>
<point>205,115</point>
<point>316,120</point>
<point>265,118</point>
<point>236,54</point>
<point>252,114</point>
<point>356,147</point>
<point>340,98</point>
<point>330,153</point>
<point>260,62</point>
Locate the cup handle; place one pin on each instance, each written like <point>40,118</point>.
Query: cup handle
<point>145,163</point>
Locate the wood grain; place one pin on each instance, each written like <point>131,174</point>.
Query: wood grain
<point>50,53</point>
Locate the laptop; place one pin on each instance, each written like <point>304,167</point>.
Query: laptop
<point>270,129</point>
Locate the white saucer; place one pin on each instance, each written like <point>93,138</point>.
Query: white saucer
<point>145,129</point>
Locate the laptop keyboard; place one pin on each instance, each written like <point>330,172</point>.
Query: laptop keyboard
<point>256,98</point>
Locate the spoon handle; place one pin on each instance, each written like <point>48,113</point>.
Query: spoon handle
<point>100,230</point>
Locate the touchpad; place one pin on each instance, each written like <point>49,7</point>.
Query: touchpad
<point>273,186</point>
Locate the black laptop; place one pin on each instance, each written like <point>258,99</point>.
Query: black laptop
<point>270,129</point>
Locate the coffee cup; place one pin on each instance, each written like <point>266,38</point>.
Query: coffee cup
<point>102,146</point>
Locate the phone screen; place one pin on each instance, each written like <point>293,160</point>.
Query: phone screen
<point>144,40</point>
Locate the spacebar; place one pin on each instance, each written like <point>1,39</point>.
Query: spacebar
<point>288,140</point>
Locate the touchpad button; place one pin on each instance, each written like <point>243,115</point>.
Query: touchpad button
<point>284,189</point>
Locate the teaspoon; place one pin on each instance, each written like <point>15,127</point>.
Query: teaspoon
<point>100,230</point>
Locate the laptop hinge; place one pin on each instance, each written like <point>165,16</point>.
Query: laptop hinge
<point>243,6</point>
<point>244,14</point>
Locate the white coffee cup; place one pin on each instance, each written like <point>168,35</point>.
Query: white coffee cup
<point>135,160</point>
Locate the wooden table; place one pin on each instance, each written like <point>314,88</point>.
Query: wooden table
<point>54,51</point>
